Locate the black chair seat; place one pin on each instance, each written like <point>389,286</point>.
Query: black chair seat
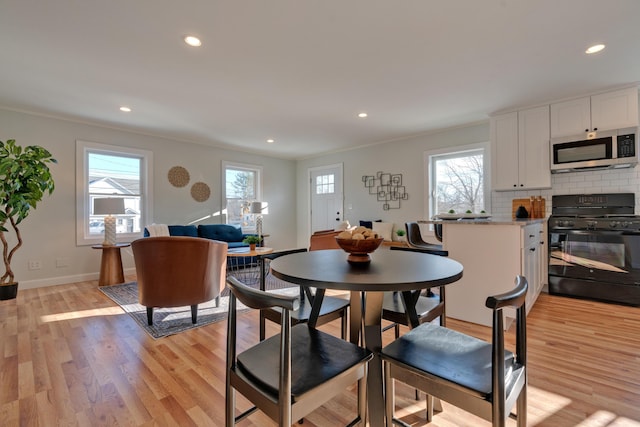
<point>393,308</point>
<point>448,354</point>
<point>330,305</point>
<point>315,358</point>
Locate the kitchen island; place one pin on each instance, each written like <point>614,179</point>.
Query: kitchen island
<point>493,251</point>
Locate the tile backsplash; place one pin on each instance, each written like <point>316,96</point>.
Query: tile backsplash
<point>586,182</point>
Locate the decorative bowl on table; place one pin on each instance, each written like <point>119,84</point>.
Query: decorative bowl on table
<point>359,249</point>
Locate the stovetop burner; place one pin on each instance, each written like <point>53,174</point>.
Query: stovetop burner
<point>594,212</point>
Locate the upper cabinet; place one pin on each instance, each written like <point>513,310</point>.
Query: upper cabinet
<point>520,150</point>
<point>605,111</point>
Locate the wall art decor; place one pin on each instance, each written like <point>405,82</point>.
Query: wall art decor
<point>200,192</point>
<point>387,187</point>
<point>178,176</point>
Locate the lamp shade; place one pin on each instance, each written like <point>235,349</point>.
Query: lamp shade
<point>259,208</point>
<point>108,206</point>
<point>255,208</point>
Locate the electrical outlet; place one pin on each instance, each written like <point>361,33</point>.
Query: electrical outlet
<point>35,264</point>
<point>62,262</point>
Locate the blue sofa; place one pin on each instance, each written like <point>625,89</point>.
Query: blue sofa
<point>222,232</point>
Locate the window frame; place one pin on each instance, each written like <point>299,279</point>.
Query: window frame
<point>83,198</point>
<point>429,194</point>
<point>258,170</point>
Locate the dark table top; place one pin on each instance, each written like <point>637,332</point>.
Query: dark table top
<point>388,270</point>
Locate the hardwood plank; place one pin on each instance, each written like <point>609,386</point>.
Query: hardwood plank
<point>72,356</point>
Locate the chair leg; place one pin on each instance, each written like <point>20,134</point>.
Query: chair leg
<point>230,407</point>
<point>396,329</point>
<point>218,301</point>
<point>150,316</point>
<point>344,325</point>
<point>389,393</point>
<point>429,408</point>
<point>262,326</point>
<point>362,400</point>
<point>521,405</point>
<point>194,313</point>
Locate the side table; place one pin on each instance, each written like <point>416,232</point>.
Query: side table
<point>111,272</point>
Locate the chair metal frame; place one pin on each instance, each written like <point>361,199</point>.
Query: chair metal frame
<point>511,387</point>
<point>284,408</point>
<point>332,308</point>
<point>432,305</point>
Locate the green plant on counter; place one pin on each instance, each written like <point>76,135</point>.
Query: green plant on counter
<point>400,232</point>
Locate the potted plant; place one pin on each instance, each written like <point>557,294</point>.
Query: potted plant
<point>400,233</point>
<point>252,240</point>
<point>24,179</point>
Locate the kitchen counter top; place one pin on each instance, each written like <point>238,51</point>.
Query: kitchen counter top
<point>487,221</point>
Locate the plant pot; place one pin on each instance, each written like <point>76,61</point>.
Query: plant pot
<point>252,246</point>
<point>9,291</point>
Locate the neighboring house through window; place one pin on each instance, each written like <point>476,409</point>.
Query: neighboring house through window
<point>457,179</point>
<point>242,185</point>
<point>112,171</point>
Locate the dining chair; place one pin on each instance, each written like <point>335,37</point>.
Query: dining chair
<point>480,377</point>
<point>428,307</point>
<point>415,240</point>
<point>289,375</point>
<point>332,308</point>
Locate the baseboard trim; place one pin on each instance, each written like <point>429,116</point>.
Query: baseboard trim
<point>64,280</point>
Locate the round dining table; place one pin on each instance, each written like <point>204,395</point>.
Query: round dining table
<point>388,271</point>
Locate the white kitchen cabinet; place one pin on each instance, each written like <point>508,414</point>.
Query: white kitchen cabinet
<point>520,150</point>
<point>492,255</point>
<point>610,110</point>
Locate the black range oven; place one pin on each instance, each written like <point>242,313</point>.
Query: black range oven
<point>594,247</point>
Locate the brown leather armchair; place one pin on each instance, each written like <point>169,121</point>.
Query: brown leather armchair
<point>178,271</point>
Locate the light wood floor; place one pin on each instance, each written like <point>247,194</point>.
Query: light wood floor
<point>70,356</point>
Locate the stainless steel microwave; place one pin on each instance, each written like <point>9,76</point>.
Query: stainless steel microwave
<point>602,150</point>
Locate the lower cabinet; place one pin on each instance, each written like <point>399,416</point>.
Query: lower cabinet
<point>492,256</point>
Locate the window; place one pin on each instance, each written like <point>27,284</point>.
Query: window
<point>325,184</point>
<point>457,180</point>
<point>242,184</point>
<point>111,171</point>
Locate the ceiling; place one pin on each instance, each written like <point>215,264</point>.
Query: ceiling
<point>299,71</point>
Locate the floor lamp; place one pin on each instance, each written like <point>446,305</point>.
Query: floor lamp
<point>109,206</point>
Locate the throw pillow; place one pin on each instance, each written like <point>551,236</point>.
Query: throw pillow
<point>383,229</point>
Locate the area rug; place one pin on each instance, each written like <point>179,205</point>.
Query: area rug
<point>169,321</point>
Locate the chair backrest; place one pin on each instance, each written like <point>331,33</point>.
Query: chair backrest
<point>175,271</point>
<point>323,240</point>
<point>414,237</point>
<point>514,298</point>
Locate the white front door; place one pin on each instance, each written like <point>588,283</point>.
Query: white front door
<point>326,197</point>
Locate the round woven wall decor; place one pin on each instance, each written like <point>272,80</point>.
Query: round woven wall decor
<point>178,176</point>
<point>200,192</point>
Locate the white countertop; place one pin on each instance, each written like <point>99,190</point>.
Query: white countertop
<point>505,220</point>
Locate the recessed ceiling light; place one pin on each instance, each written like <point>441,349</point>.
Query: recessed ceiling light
<point>271,141</point>
<point>192,41</point>
<point>594,49</point>
<point>362,115</point>
<point>125,109</point>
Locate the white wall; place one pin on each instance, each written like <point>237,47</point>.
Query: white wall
<point>406,157</point>
<point>397,157</point>
<point>49,231</point>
